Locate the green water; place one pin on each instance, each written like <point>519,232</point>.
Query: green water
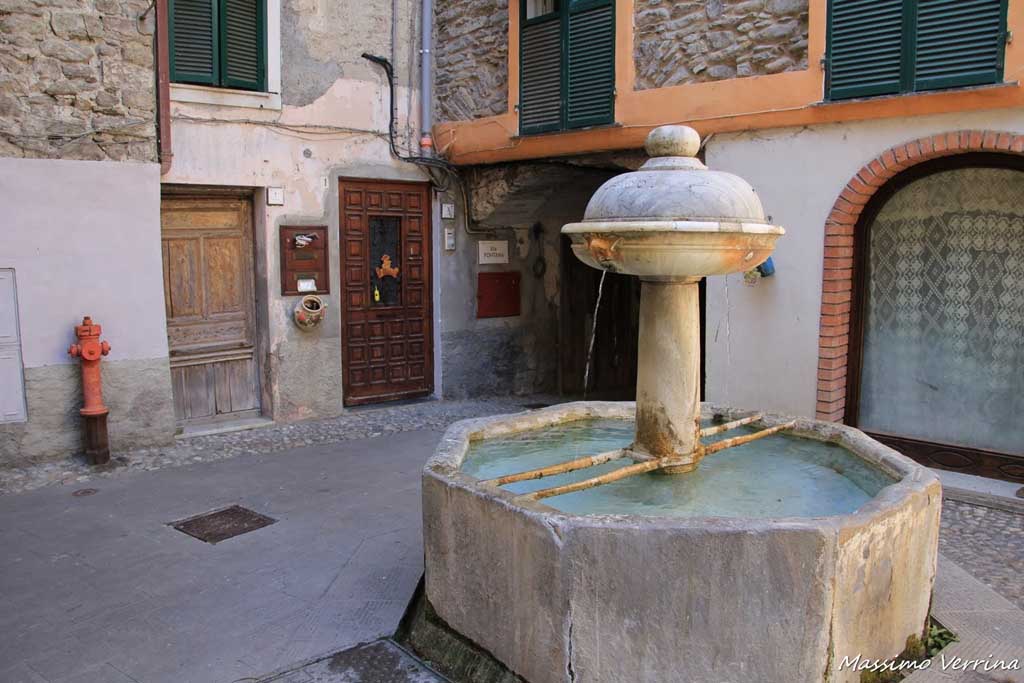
<point>778,476</point>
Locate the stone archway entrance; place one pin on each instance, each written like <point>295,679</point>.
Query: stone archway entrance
<point>923,306</point>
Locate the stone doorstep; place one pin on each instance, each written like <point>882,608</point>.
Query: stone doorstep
<point>987,624</point>
<point>225,427</point>
<point>990,493</point>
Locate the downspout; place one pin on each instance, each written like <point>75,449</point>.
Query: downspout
<point>163,88</point>
<point>426,85</point>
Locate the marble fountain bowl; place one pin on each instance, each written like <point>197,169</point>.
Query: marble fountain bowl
<point>771,562</point>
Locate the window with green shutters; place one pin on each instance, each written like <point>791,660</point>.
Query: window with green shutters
<point>566,64</point>
<point>219,42</point>
<point>886,47</point>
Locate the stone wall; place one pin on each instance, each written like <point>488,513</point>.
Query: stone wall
<point>470,59</point>
<point>77,79</point>
<point>693,41</point>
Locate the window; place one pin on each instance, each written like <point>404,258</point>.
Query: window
<point>219,42</point>
<point>566,65</point>
<point>884,47</point>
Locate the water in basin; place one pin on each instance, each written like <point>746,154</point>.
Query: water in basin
<point>778,476</point>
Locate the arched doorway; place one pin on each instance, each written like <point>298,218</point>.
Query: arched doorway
<point>936,352</point>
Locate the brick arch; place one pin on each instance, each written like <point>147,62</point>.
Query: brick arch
<point>840,227</point>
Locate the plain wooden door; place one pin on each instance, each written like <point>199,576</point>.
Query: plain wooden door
<point>385,294</point>
<point>209,296</point>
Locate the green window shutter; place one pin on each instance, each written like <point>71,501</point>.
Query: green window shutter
<point>959,42</point>
<point>243,44</point>
<point>193,36</point>
<point>865,47</point>
<point>540,76</point>
<point>590,73</point>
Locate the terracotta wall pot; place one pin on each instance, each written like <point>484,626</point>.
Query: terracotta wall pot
<point>309,311</point>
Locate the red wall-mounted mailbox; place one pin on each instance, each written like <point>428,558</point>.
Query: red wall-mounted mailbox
<point>497,295</point>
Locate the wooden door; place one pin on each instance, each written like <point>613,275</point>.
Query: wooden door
<point>209,296</point>
<point>613,365</point>
<point>386,340</point>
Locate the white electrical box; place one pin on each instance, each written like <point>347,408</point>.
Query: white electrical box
<point>12,376</point>
<point>275,196</point>
<point>449,239</point>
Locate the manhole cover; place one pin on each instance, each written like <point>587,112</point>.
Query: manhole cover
<point>83,492</point>
<point>214,527</point>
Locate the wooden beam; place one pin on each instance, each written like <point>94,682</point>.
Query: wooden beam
<point>621,473</point>
<point>718,429</point>
<point>746,438</point>
<point>560,468</point>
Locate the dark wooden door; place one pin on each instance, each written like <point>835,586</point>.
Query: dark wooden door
<point>209,298</point>
<point>386,339</point>
<point>613,366</point>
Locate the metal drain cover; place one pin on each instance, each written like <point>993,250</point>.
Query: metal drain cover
<point>214,527</point>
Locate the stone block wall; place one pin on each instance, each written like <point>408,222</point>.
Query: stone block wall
<point>77,79</point>
<point>693,41</point>
<point>471,59</point>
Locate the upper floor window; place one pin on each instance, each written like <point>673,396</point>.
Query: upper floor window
<point>884,47</point>
<point>219,42</point>
<point>566,64</point>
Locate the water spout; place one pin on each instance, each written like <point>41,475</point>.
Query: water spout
<point>593,335</point>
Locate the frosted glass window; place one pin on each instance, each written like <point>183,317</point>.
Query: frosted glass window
<point>943,357</point>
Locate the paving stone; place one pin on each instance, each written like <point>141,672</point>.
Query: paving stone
<point>377,662</point>
<point>988,544</point>
<point>102,584</point>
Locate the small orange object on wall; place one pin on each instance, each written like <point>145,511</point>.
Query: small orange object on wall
<point>497,295</point>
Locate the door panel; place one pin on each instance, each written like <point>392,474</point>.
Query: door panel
<point>387,350</point>
<point>209,299</point>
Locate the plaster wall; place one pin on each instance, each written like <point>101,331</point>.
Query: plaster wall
<point>513,355</point>
<point>761,341</point>
<point>83,238</point>
<point>302,370</point>
<point>330,121</point>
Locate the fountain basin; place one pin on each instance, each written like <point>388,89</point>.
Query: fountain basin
<point>672,250</point>
<point>560,596</point>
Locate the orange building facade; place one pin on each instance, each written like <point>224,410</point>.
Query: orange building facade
<point>886,136</point>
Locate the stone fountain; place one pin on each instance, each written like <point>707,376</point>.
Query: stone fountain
<point>799,543</point>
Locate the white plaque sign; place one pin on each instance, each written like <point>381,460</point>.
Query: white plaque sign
<point>306,285</point>
<point>493,251</point>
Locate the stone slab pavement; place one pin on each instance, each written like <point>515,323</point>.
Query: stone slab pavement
<point>99,588</point>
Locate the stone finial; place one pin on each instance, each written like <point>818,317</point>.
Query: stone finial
<point>672,141</point>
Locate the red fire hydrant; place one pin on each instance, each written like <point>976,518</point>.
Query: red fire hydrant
<point>90,349</point>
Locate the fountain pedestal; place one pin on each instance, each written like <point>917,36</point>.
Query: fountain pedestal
<point>557,596</point>
<point>668,374</point>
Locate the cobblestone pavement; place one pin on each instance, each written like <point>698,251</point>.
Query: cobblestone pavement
<point>353,424</point>
<point>988,544</point>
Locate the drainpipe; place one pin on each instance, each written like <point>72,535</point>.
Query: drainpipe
<point>163,88</point>
<point>426,87</point>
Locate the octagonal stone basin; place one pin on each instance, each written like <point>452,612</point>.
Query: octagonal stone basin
<point>698,578</point>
